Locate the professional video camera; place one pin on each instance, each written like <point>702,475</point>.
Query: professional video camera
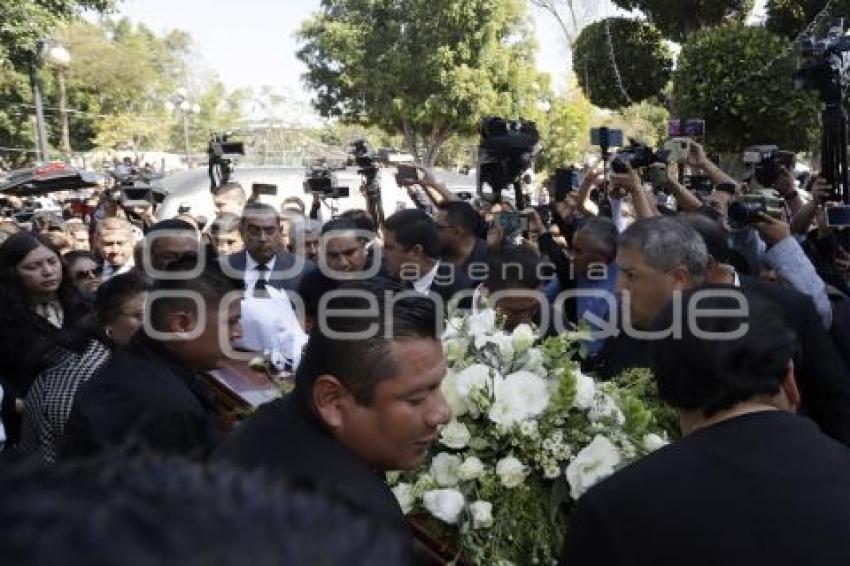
<point>320,181</point>
<point>767,162</point>
<point>638,155</point>
<point>749,210</point>
<point>506,150</point>
<point>368,167</point>
<point>825,70</point>
<point>222,151</point>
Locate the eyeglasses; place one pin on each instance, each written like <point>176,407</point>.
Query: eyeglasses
<point>88,274</point>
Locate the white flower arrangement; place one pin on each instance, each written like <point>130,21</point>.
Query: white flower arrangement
<point>529,432</point>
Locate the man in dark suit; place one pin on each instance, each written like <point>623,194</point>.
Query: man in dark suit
<point>360,406</point>
<point>660,255</point>
<point>149,393</point>
<point>411,254</point>
<point>265,261</point>
<point>749,483</point>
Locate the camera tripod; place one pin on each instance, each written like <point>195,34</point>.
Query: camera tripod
<point>834,148</point>
<point>371,188</point>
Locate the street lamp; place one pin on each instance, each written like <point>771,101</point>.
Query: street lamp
<point>180,101</point>
<point>58,57</point>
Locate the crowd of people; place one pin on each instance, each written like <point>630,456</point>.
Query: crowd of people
<point>106,321</point>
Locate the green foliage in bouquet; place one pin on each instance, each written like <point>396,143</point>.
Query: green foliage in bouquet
<point>530,434</point>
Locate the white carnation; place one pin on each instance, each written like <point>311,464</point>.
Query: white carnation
<point>475,376</point>
<point>453,328</point>
<point>595,462</point>
<point>505,346</point>
<point>518,397</point>
<point>471,469</point>
<point>455,435</point>
<point>482,325</point>
<point>404,494</point>
<point>511,472</point>
<point>444,504</point>
<point>585,391</point>
<point>604,407</point>
<point>444,468</point>
<point>522,338</point>
<point>449,390</point>
<point>652,442</point>
<point>482,514</point>
<point>533,362</point>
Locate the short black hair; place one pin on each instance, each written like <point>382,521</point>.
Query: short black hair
<point>341,224</point>
<point>212,285</point>
<point>257,209</point>
<point>361,364</point>
<point>225,223</point>
<point>153,510</point>
<point>361,218</point>
<point>117,290</point>
<point>74,256</point>
<point>173,225</point>
<point>514,267</point>
<point>412,227</point>
<point>713,234</point>
<point>710,374</point>
<point>461,214</point>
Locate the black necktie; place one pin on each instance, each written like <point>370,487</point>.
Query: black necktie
<point>260,285</point>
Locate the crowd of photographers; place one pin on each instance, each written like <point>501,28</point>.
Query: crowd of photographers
<point>601,249</point>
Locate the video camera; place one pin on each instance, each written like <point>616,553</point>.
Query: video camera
<point>507,149</point>
<point>638,155</point>
<point>825,59</point>
<point>749,210</point>
<point>767,162</point>
<point>222,151</point>
<point>320,182</point>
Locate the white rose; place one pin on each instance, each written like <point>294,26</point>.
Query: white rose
<point>444,504</point>
<point>404,494</point>
<point>652,442</point>
<point>449,390</point>
<point>453,327</point>
<point>595,462</point>
<point>505,345</point>
<point>471,469</point>
<point>511,472</point>
<point>518,397</point>
<point>522,338</point>
<point>482,514</point>
<point>604,407</point>
<point>585,391</point>
<point>444,469</point>
<point>455,435</point>
<point>475,376</point>
<point>534,362</point>
<point>481,325</point>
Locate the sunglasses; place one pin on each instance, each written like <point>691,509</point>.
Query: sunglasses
<point>88,274</point>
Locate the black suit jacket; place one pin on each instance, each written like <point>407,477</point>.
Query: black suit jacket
<point>764,488</point>
<point>284,438</point>
<point>143,396</point>
<point>822,377</point>
<point>284,262</point>
<point>450,281</point>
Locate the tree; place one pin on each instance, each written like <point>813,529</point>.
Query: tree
<point>675,19</point>
<point>790,17</point>
<point>578,14</point>
<point>644,62</point>
<point>723,77</point>
<point>428,69</point>
<point>24,23</point>
<point>564,134</point>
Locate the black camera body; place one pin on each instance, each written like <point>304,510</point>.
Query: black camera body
<point>506,149</point>
<point>638,155</point>
<point>750,209</point>
<point>767,162</point>
<point>319,181</point>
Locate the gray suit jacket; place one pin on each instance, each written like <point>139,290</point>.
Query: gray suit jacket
<point>287,274</point>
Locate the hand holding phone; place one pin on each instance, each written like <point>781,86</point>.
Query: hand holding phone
<point>407,175</point>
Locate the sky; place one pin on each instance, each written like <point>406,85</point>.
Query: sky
<point>251,43</point>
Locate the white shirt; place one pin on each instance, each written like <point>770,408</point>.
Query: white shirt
<point>423,284</point>
<point>252,274</point>
<point>110,271</point>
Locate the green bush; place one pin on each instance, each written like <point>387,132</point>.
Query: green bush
<point>763,109</point>
<point>644,62</point>
<point>677,18</point>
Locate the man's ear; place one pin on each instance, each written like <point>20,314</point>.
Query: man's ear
<point>682,280</point>
<point>789,387</point>
<point>181,322</point>
<point>329,395</point>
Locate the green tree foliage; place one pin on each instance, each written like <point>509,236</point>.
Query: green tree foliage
<point>675,19</point>
<point>763,109</point>
<point>643,60</point>
<point>790,17</point>
<point>427,69</point>
<point>23,23</point>
<point>564,134</point>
